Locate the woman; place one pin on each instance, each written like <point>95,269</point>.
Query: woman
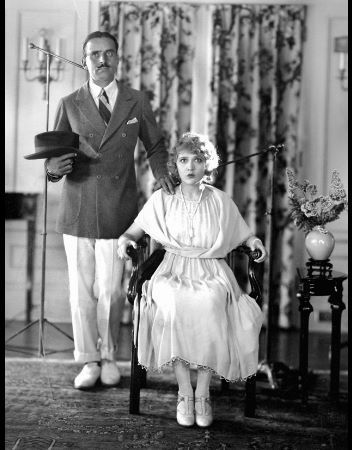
<point>193,312</point>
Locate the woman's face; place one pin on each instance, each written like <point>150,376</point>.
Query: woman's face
<point>190,166</point>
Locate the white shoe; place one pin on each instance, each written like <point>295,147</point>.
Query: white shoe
<point>87,377</point>
<point>110,374</point>
<point>204,413</point>
<point>185,410</point>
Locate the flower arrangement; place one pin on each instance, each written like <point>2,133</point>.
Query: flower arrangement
<point>309,209</point>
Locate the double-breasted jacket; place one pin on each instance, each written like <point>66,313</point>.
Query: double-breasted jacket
<point>99,196</point>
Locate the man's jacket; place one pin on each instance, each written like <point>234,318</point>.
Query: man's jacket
<point>99,197</point>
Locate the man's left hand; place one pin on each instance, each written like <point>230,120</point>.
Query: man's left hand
<point>167,183</point>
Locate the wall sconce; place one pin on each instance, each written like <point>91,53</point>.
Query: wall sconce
<point>341,47</point>
<point>40,70</point>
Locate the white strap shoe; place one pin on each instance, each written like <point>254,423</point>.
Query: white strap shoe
<point>204,412</point>
<point>87,377</point>
<point>185,410</point>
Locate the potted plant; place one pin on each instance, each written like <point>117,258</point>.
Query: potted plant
<point>311,212</point>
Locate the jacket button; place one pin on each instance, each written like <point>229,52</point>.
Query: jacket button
<point>98,177</point>
<point>91,134</point>
<point>123,134</point>
<point>116,177</point>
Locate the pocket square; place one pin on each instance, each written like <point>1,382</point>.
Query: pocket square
<point>134,120</point>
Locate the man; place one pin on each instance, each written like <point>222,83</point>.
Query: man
<point>99,200</point>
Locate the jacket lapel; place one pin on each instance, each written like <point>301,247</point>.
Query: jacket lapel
<point>88,108</point>
<point>119,115</point>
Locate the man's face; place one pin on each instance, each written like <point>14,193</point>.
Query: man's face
<point>101,60</point>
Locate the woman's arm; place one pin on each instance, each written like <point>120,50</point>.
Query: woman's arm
<point>129,237</point>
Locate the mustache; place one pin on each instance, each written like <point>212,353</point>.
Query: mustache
<point>103,65</point>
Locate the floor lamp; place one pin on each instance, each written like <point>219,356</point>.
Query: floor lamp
<point>42,321</point>
<point>267,367</point>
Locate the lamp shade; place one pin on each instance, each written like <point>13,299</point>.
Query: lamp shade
<point>341,44</point>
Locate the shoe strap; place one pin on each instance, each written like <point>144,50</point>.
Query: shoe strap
<point>203,401</point>
<point>189,402</point>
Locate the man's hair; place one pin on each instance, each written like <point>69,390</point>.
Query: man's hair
<point>99,34</point>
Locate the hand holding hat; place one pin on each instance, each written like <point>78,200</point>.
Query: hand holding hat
<point>58,143</point>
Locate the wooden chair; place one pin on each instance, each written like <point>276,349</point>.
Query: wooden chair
<point>143,268</point>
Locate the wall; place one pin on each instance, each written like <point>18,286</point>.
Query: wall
<point>26,116</point>
<point>324,130</point>
<point>323,140</point>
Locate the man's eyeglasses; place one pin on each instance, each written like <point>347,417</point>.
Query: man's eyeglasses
<point>97,55</point>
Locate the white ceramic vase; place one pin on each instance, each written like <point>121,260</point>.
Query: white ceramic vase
<point>319,243</point>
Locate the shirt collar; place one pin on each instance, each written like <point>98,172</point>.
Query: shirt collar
<point>110,89</point>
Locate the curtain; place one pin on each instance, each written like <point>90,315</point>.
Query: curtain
<point>157,48</point>
<point>256,79</point>
<point>255,60</point>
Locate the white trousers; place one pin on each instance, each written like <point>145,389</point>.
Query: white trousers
<point>96,296</point>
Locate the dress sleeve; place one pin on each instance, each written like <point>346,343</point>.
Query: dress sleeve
<point>233,229</point>
<point>239,229</point>
<point>151,218</point>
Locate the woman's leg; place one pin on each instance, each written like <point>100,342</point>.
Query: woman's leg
<point>183,377</point>
<point>203,383</point>
<point>202,405</point>
<point>185,399</point>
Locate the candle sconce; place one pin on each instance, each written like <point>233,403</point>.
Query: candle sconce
<point>341,47</point>
<point>41,69</point>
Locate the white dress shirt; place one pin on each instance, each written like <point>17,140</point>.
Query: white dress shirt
<point>111,91</point>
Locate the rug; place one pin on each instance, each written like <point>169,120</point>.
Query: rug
<point>42,410</point>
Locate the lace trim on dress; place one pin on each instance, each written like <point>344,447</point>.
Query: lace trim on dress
<point>199,366</point>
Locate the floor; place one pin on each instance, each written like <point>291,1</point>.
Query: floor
<point>42,410</point>
<point>285,345</point>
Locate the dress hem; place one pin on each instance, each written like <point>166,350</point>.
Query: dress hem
<point>199,366</point>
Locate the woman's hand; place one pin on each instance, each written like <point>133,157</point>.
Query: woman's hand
<point>124,242</point>
<point>255,243</point>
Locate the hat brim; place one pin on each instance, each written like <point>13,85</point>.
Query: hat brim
<point>52,152</point>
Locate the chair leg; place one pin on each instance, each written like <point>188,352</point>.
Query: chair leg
<point>143,377</point>
<point>250,397</point>
<point>135,383</point>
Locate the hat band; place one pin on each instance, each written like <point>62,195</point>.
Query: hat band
<point>50,146</point>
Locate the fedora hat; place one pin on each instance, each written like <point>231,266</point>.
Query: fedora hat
<point>54,143</point>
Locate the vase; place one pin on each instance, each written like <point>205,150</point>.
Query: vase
<point>319,243</point>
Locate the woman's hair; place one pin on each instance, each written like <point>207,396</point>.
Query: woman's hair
<point>200,145</point>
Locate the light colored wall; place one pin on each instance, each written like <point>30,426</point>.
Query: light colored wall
<point>324,130</point>
<point>25,117</point>
<point>323,138</point>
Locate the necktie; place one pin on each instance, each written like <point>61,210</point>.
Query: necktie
<point>104,107</point>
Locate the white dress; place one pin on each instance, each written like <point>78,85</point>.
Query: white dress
<point>193,309</point>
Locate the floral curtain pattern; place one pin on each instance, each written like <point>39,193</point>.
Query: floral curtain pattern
<point>156,47</point>
<point>257,60</point>
<point>255,89</point>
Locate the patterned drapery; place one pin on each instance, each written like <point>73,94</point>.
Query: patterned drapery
<point>156,48</point>
<point>256,59</point>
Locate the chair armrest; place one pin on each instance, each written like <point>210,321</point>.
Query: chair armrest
<point>132,285</point>
<point>256,292</point>
<point>252,254</point>
<point>141,271</point>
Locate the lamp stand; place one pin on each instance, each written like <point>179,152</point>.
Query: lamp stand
<point>268,368</point>
<point>271,370</point>
<point>42,321</point>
